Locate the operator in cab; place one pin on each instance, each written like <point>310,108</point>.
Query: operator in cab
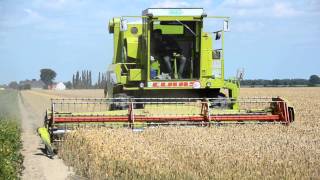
<point>166,49</point>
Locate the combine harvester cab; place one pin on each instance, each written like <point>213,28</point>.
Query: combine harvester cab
<point>152,82</point>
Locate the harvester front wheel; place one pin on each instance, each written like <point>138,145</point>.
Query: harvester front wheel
<point>291,114</point>
<point>121,102</point>
<point>220,102</point>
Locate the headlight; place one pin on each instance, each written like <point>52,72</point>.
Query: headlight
<point>196,85</point>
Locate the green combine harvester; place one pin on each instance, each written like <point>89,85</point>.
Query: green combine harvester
<point>166,70</point>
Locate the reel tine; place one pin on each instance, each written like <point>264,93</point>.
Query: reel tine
<point>168,111</point>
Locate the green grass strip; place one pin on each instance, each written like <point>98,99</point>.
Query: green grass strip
<point>10,136</point>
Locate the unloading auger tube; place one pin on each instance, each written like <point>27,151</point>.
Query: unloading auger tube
<point>67,114</point>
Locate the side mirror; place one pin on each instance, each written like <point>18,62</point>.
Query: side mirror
<point>226,25</point>
<point>123,24</point>
<point>240,74</point>
<point>111,26</point>
<point>218,35</point>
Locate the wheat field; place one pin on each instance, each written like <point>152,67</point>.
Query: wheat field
<point>222,152</point>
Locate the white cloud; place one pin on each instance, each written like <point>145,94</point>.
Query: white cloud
<point>171,4</point>
<point>58,4</point>
<point>30,18</point>
<point>313,7</point>
<point>32,14</point>
<point>248,26</point>
<point>241,3</point>
<point>49,4</point>
<point>182,4</point>
<point>315,4</point>
<point>260,8</point>
<point>24,17</point>
<point>281,9</point>
<point>206,2</point>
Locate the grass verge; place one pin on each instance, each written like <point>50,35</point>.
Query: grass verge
<point>10,136</point>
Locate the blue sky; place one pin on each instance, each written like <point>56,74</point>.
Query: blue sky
<point>268,38</point>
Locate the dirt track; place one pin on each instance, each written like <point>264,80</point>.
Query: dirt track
<point>32,106</point>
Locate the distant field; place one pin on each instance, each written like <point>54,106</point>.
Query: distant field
<point>80,93</point>
<point>228,152</point>
<point>41,98</point>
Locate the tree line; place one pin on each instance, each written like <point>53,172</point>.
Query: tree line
<point>314,80</point>
<point>80,80</point>
<point>83,80</point>
<point>47,77</point>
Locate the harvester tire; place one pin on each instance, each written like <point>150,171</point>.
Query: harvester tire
<point>220,102</point>
<point>49,152</point>
<point>119,104</point>
<point>291,114</point>
<point>138,105</point>
<point>46,121</point>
